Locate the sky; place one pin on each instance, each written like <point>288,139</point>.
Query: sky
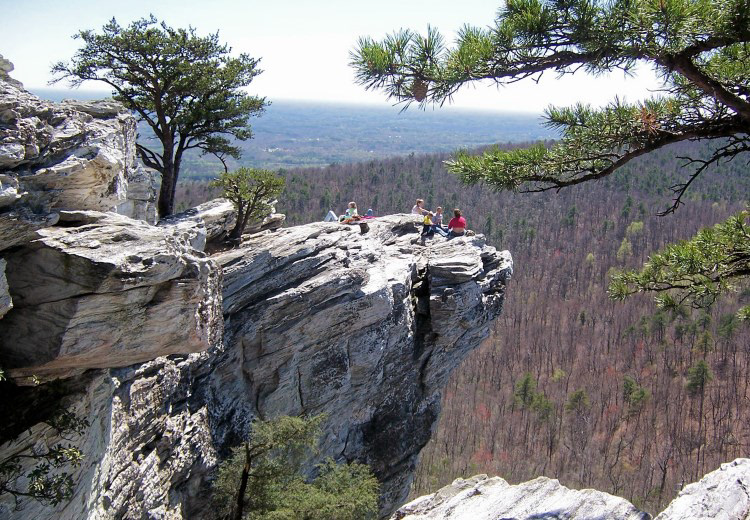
<point>304,45</point>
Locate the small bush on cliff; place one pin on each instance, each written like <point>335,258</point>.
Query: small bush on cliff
<point>252,191</point>
<point>262,479</point>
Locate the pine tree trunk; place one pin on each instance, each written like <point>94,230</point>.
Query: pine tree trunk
<point>167,191</point>
<point>239,503</point>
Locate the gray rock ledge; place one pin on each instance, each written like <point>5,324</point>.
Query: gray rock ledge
<point>484,498</point>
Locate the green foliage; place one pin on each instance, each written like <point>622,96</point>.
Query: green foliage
<point>699,375</point>
<point>694,271</point>
<point>543,407</point>
<point>578,402</point>
<point>705,343</point>
<point>186,88</point>
<point>625,250</point>
<point>728,324</point>
<point>558,375</point>
<point>634,228</point>
<point>634,395</point>
<point>340,492</point>
<point>47,479</point>
<point>700,50</point>
<point>252,191</point>
<point>525,391</point>
<point>570,218</point>
<point>262,479</point>
<point>528,398</point>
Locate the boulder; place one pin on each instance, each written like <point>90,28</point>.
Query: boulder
<point>270,223</point>
<point>723,494</point>
<point>212,221</point>
<point>484,498</point>
<point>6,67</point>
<point>101,290</point>
<point>206,222</point>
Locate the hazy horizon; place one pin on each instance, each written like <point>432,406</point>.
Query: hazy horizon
<point>54,93</point>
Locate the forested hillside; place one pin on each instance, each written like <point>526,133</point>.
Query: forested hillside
<point>617,396</point>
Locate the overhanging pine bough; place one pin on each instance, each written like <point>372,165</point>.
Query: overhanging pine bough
<point>699,48</point>
<point>185,87</point>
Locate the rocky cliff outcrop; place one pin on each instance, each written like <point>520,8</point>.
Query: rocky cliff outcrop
<point>484,498</point>
<point>68,156</point>
<point>723,494</point>
<point>317,319</point>
<point>363,327</point>
<point>101,291</point>
<point>6,303</point>
<point>170,354</point>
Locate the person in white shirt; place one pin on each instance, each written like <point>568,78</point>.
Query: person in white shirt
<point>418,209</point>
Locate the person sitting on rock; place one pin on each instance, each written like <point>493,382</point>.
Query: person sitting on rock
<point>457,225</point>
<point>428,229</point>
<point>418,208</point>
<point>437,222</point>
<point>351,214</point>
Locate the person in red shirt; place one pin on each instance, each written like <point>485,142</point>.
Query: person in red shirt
<point>457,225</point>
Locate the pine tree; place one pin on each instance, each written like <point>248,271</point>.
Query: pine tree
<point>263,478</point>
<point>186,88</point>
<point>699,49</point>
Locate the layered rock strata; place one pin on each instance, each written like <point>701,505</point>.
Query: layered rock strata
<point>363,327</point>
<point>318,319</point>
<point>484,498</point>
<point>100,291</point>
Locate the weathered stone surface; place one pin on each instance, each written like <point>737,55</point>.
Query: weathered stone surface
<point>147,448</point>
<point>71,155</point>
<point>102,291</point>
<point>140,201</point>
<point>723,494</point>
<point>483,498</point>
<point>20,225</point>
<point>215,219</point>
<point>319,318</point>
<point>323,319</point>
<point>205,222</point>
<point>6,67</point>
<point>8,191</point>
<point>6,303</point>
<point>271,223</point>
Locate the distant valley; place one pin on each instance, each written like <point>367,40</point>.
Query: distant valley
<point>299,134</point>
